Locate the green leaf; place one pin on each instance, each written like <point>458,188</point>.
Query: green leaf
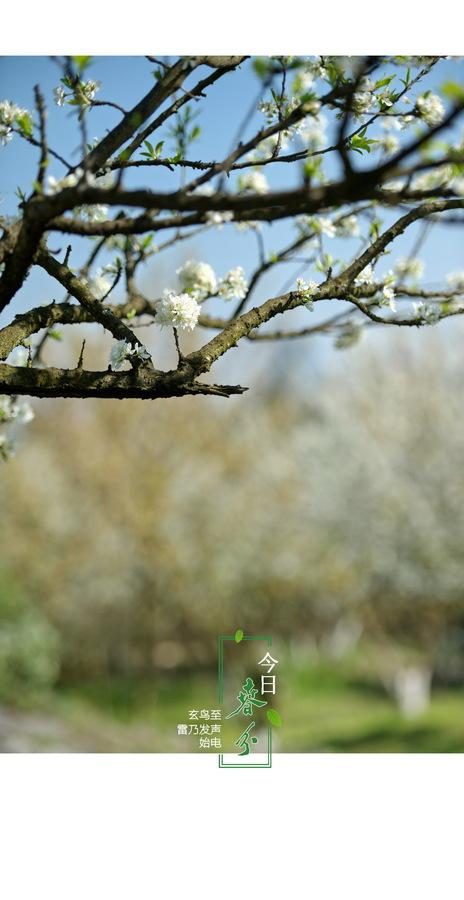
<point>453,91</point>
<point>147,241</point>
<point>24,122</point>
<point>335,73</point>
<point>274,718</point>
<point>238,636</point>
<point>313,167</point>
<point>81,62</point>
<point>261,66</point>
<point>383,82</point>
<point>124,156</point>
<point>360,143</point>
<point>307,97</point>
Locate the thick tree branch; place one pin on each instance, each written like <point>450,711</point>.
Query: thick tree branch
<point>142,384</point>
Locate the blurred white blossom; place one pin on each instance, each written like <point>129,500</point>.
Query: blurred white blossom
<point>409,268</point>
<point>197,278</point>
<point>234,284</point>
<point>456,280</point>
<point>431,108</point>
<point>253,182</point>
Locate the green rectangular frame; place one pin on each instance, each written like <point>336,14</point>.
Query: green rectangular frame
<point>222,764</point>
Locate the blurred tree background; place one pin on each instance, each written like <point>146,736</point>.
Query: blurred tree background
<point>328,512</point>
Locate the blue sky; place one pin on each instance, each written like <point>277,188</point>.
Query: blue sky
<point>125,80</point>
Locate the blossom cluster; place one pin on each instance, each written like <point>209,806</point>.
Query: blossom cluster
<point>10,115</point>
<point>307,290</point>
<point>234,284</point>
<point>13,411</point>
<point>198,278</point>
<point>345,226</point>
<point>121,351</point>
<point>198,281</point>
<point>84,92</point>
<point>178,311</point>
<point>430,108</point>
<point>253,182</point>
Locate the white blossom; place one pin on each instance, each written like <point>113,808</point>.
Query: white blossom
<point>99,285</point>
<point>88,89</point>
<point>409,268</point>
<point>438,177</point>
<point>456,280</point>
<point>55,185</point>
<point>204,190</point>
<point>178,310</point>
<point>119,353</point>
<point>347,227</point>
<point>361,103</point>
<point>247,226</point>
<point>430,108</point>
<point>214,217</point>
<point>6,135</point>
<point>366,276</point>
<point>59,95</point>
<point>323,225</point>
<point>383,100</point>
<point>123,350</point>
<point>197,278</point>
<point>12,408</point>
<point>96,212</point>
<point>391,123</point>
<point>316,69</point>
<point>307,289</point>
<point>140,352</point>
<point>314,132</point>
<point>388,297</point>
<point>18,357</point>
<point>234,284</point>
<point>310,106</point>
<point>429,314</point>
<point>457,184</point>
<point>267,148</point>
<point>396,184</point>
<point>254,182</point>
<point>389,144</point>
<point>405,121</point>
<point>303,81</point>
<point>9,112</point>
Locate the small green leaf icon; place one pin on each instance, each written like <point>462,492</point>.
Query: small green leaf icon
<point>238,636</point>
<point>274,718</point>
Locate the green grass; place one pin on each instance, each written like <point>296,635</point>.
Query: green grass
<point>323,710</point>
